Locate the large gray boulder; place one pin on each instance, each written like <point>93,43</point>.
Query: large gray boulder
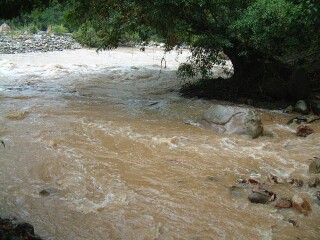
<point>233,120</point>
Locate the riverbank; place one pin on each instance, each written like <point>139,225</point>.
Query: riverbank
<point>12,43</point>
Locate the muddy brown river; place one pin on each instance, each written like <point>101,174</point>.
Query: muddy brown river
<point>106,135</point>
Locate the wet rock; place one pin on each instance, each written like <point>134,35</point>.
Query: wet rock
<point>283,203</point>
<point>295,182</point>
<point>314,182</point>
<point>304,131</point>
<point>301,107</point>
<point>233,120</point>
<point>302,205</point>
<point>288,110</point>
<point>314,166</point>
<point>274,179</point>
<point>261,196</point>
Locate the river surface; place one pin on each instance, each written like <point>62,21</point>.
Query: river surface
<point>106,135</point>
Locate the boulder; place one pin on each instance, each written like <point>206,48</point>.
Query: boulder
<point>299,84</point>
<point>314,166</point>
<point>234,120</point>
<point>4,28</point>
<point>301,107</point>
<point>302,205</point>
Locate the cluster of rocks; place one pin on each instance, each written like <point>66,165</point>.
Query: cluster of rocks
<point>12,229</point>
<point>39,42</point>
<point>259,193</point>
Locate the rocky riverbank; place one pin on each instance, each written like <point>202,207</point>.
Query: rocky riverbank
<point>11,43</point>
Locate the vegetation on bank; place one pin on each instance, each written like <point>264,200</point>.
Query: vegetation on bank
<point>266,40</point>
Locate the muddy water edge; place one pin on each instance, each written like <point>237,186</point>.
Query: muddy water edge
<point>106,136</point>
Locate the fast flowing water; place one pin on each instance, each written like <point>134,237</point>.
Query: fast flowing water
<point>106,135</point>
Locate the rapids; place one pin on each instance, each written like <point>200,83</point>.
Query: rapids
<point>106,134</point>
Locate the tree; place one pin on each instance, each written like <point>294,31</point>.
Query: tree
<point>257,35</point>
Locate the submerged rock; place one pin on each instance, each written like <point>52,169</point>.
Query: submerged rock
<point>314,166</point>
<point>234,120</point>
<point>314,181</point>
<point>302,205</point>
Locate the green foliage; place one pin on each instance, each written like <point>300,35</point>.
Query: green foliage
<point>87,35</point>
<point>59,29</point>
<point>42,16</point>
<point>243,28</point>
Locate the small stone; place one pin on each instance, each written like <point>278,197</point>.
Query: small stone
<point>302,205</point>
<point>314,166</point>
<point>314,182</point>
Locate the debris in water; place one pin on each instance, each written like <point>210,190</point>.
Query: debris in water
<point>2,142</point>
<point>304,130</point>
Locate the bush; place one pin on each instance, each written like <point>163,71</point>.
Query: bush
<point>58,29</point>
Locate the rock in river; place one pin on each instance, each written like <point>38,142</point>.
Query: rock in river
<point>301,205</point>
<point>261,196</point>
<point>234,120</point>
<point>314,166</point>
